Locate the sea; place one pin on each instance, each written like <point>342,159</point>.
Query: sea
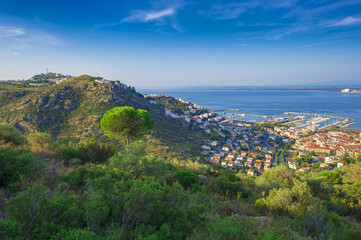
<point>272,103</point>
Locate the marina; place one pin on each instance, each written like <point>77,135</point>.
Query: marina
<point>300,120</point>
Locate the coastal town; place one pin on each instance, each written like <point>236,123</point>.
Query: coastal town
<point>251,147</point>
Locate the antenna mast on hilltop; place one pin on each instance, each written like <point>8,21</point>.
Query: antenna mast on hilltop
<point>47,71</point>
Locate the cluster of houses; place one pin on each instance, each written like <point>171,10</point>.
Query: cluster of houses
<point>335,143</point>
<point>56,78</point>
<point>326,161</point>
<point>244,149</point>
<point>117,83</point>
<point>291,132</point>
<point>245,146</point>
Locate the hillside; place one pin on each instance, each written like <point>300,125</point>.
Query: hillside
<point>73,109</point>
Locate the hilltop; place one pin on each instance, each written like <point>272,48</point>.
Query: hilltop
<point>73,109</point>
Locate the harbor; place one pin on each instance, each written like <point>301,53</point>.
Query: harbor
<point>300,120</point>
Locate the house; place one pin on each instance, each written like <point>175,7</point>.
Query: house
<point>167,111</point>
<point>325,165</point>
<point>205,152</point>
<point>305,169</point>
<point>214,160</point>
<point>225,148</point>
<point>250,172</point>
<point>224,163</point>
<point>230,164</point>
<point>330,159</point>
<point>244,153</point>
<point>293,165</point>
<point>230,155</point>
<point>238,163</point>
<point>250,160</point>
<point>208,131</point>
<point>205,147</point>
<point>340,164</point>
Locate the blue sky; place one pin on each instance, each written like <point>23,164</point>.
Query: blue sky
<point>184,42</point>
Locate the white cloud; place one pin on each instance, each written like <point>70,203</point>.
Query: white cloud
<point>159,14</point>
<point>148,16</point>
<point>162,13</point>
<point>347,22</point>
<point>6,31</point>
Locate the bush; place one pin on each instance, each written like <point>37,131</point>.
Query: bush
<point>9,134</point>
<point>331,176</point>
<point>221,229</point>
<point>89,151</point>
<point>15,166</point>
<point>10,230</point>
<point>186,178</point>
<point>133,160</point>
<point>227,185</point>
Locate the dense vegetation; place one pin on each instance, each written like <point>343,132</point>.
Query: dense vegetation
<point>91,189</point>
<point>61,177</point>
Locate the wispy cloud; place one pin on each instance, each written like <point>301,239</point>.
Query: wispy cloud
<point>313,13</point>
<point>162,13</point>
<point>348,21</point>
<point>148,16</point>
<point>229,11</point>
<point>17,39</point>
<point>235,9</point>
<point>9,31</point>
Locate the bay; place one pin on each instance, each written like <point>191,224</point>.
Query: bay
<point>273,103</point>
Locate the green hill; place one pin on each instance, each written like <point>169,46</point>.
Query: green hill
<point>73,109</point>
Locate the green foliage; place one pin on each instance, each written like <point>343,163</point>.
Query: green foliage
<point>9,134</point>
<point>43,213</point>
<point>15,167</point>
<point>39,143</point>
<point>126,122</point>
<point>227,185</point>
<point>331,176</point>
<point>222,229</point>
<point>89,151</point>
<point>27,206</point>
<point>358,183</point>
<point>10,230</point>
<point>133,160</point>
<point>292,200</point>
<point>39,140</point>
<point>186,178</point>
<point>78,234</point>
<point>139,201</point>
<point>79,177</point>
<point>280,176</point>
<point>215,136</point>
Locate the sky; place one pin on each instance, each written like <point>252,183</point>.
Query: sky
<point>166,43</point>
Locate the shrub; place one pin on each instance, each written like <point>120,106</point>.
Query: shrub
<point>186,178</point>
<point>331,176</point>
<point>9,134</point>
<point>89,151</point>
<point>14,166</point>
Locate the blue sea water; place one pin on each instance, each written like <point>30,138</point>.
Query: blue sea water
<point>274,103</point>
